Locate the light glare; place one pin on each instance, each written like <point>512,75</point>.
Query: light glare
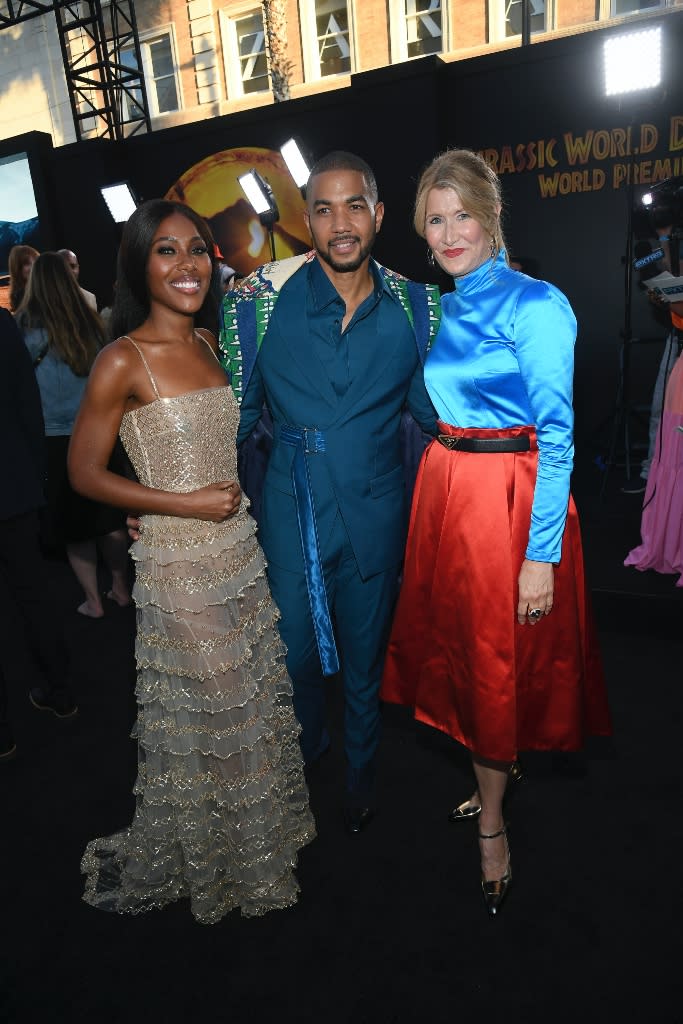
<point>633,62</point>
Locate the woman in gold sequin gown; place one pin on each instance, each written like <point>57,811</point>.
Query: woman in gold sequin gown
<point>221,801</point>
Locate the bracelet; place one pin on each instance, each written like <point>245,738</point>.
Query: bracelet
<point>664,238</point>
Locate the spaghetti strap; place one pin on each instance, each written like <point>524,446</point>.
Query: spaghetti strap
<point>149,372</point>
<point>208,345</point>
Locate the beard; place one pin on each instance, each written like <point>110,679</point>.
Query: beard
<point>350,265</point>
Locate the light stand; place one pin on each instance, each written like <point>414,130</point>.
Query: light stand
<point>623,410</point>
<point>626,58</point>
<point>261,197</point>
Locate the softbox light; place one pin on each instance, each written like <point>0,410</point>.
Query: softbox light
<point>120,200</point>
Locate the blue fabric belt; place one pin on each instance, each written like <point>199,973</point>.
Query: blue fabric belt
<point>308,440</point>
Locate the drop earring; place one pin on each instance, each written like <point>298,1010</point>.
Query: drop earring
<point>430,257</point>
<point>494,248</point>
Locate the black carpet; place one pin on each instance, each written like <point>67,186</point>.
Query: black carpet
<point>391,926</point>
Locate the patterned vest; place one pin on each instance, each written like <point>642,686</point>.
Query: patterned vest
<point>246,313</point>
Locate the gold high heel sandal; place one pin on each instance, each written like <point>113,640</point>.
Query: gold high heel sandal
<point>494,892</point>
<point>467,809</point>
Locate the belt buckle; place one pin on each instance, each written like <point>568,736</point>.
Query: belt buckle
<point>450,441</point>
<point>307,447</point>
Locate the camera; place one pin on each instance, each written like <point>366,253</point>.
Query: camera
<point>660,207</point>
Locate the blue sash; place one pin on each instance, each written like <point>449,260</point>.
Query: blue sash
<point>310,441</point>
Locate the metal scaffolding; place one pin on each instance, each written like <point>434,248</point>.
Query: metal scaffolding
<point>102,62</point>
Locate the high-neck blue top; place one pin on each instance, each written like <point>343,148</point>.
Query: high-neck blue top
<point>504,357</point>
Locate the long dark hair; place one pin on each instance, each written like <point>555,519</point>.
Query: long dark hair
<point>131,302</point>
<point>54,302</point>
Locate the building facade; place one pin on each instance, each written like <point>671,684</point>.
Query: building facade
<point>204,58</point>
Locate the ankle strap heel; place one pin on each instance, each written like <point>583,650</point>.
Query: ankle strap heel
<point>494,892</point>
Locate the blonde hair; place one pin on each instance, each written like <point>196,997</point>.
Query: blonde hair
<point>476,184</point>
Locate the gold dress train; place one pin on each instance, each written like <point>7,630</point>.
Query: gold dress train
<point>221,800</point>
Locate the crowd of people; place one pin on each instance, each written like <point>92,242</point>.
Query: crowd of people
<point>481,624</point>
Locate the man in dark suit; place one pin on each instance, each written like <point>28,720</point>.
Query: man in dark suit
<point>339,361</point>
<point>23,576</point>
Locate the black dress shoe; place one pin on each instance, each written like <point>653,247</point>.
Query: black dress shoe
<point>59,702</point>
<point>357,818</point>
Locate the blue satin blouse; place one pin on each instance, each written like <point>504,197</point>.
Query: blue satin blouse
<point>504,357</point>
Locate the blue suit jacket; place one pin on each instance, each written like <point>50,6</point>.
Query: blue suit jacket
<point>361,473</point>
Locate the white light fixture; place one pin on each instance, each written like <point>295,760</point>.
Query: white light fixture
<point>254,189</point>
<point>633,62</point>
<point>120,200</point>
<point>296,165</point>
<point>260,196</point>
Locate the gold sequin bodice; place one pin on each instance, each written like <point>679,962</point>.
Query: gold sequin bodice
<point>180,444</point>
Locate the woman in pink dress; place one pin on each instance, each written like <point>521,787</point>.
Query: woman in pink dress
<point>661,526</point>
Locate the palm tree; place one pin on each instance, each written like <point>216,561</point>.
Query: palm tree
<point>280,66</point>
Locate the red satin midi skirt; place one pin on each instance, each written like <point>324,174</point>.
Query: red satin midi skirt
<point>457,654</point>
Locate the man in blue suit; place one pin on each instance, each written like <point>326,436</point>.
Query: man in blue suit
<point>333,345</point>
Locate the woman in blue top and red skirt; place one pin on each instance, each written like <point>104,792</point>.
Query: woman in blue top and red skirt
<point>493,640</point>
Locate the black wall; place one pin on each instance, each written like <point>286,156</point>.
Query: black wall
<point>398,118</point>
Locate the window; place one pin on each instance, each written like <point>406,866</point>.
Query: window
<point>244,50</point>
<point>417,28</point>
<point>505,17</point>
<point>327,37</point>
<point>619,7</point>
<point>513,17</point>
<point>160,73</point>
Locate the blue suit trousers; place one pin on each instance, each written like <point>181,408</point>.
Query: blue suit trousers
<point>361,612</point>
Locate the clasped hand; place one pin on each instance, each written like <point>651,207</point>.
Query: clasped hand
<point>214,504</point>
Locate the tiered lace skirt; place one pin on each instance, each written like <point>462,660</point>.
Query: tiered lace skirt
<point>221,800</point>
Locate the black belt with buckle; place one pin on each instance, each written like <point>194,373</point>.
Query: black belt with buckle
<point>485,444</point>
